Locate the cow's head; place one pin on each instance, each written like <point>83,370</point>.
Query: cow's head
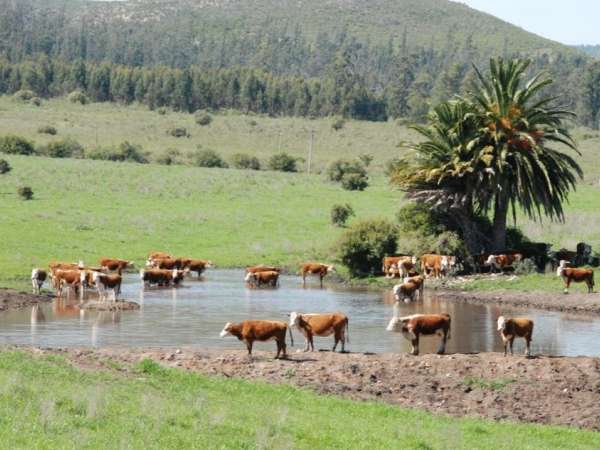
<point>396,291</point>
<point>226,329</point>
<point>491,260</point>
<point>209,264</point>
<point>250,277</point>
<point>149,262</point>
<point>294,319</point>
<point>330,269</point>
<point>80,264</point>
<point>397,324</point>
<point>413,260</point>
<point>561,266</point>
<point>501,323</point>
<point>129,264</point>
<point>83,276</point>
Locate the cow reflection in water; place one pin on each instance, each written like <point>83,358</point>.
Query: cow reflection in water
<point>37,315</point>
<point>102,319</point>
<point>64,308</point>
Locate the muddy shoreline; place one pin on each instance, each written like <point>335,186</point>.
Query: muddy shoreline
<point>13,299</point>
<point>545,390</point>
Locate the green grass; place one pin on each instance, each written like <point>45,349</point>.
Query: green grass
<point>494,385</point>
<point>46,403</point>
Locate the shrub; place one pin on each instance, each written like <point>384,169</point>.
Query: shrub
<point>168,157</point>
<point>244,161</point>
<point>124,152</point>
<point>340,214</point>
<point>178,132</point>
<point>36,101</point>
<point>24,95</point>
<point>66,148</point>
<point>355,182</point>
<point>362,247</point>
<point>341,167</point>
<point>282,162</point>
<point>392,166</point>
<point>525,267</point>
<point>208,158</point>
<point>25,193</point>
<point>252,123</point>
<point>161,111</point>
<point>338,124</point>
<point>47,129</point>
<point>78,97</point>
<point>202,118</point>
<point>366,159</point>
<point>15,145</point>
<point>4,166</point>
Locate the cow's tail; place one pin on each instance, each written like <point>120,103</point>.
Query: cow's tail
<point>347,334</point>
<point>291,336</point>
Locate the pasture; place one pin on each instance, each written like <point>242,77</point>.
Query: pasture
<point>144,405</point>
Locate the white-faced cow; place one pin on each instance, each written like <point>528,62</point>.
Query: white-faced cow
<point>38,276</point>
<point>412,327</point>
<point>577,275</point>
<point>321,325</point>
<point>317,269</point>
<point>511,328</point>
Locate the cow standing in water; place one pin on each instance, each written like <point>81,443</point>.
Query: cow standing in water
<point>320,270</point>
<point>38,276</point>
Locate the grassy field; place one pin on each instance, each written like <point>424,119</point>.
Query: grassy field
<point>148,406</point>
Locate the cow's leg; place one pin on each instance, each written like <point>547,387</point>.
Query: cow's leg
<point>567,285</point>
<point>34,285</point>
<point>321,279</point>
<point>340,336</point>
<point>249,347</point>
<point>511,342</point>
<point>311,341</point>
<point>284,347</point>
<point>442,348</point>
<point>528,345</point>
<point>590,286</point>
<point>415,345</point>
<point>505,342</point>
<point>303,279</point>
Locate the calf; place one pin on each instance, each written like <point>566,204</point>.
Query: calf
<point>321,325</point>
<point>116,265</point>
<point>38,276</point>
<point>71,278</point>
<point>105,282</point>
<point>498,263</point>
<point>412,327</point>
<point>315,269</point>
<point>161,277</point>
<point>577,275</point>
<point>197,265</point>
<point>270,278</point>
<point>259,330</point>
<point>511,328</point>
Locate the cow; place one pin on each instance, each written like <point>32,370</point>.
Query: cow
<point>54,266</point>
<point>105,282</point>
<point>578,275</point>
<point>321,325</point>
<point>405,291</point>
<point>315,269</point>
<point>262,268</point>
<point>115,265</point>
<point>270,278</point>
<point>439,265</point>
<point>71,278</point>
<point>498,263</point>
<point>166,263</point>
<point>161,277</point>
<point>406,266</point>
<point>511,328</point>
<point>418,281</point>
<point>197,265</point>
<point>390,264</point>
<point>158,255</point>
<point>38,276</point>
<point>412,327</point>
<point>250,331</point>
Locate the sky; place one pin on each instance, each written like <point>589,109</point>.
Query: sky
<point>568,21</point>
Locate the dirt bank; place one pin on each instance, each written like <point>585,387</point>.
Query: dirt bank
<point>11,299</point>
<point>560,391</point>
<point>575,303</point>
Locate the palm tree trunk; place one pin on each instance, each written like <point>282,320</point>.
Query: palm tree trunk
<point>499,225</point>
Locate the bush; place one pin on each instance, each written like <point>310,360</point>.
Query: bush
<point>25,193</point>
<point>392,166</point>
<point>244,161</point>
<point>47,129</point>
<point>209,158</point>
<point>124,152</point>
<point>338,124</point>
<point>66,148</point>
<point>282,162</point>
<point>4,166</point>
<point>178,132</point>
<point>24,95</point>
<point>36,101</point>
<point>168,157</point>
<point>525,267</point>
<point>355,182</point>
<point>161,111</point>
<point>363,246</point>
<point>341,167</point>
<point>252,123</point>
<point>203,119</point>
<point>366,159</point>
<point>15,145</point>
<point>340,214</point>
<point>78,97</point>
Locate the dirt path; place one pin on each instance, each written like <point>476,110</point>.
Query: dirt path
<point>11,299</point>
<point>560,391</point>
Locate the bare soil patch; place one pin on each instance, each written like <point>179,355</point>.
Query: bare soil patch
<point>545,390</point>
<point>119,305</point>
<point>12,299</point>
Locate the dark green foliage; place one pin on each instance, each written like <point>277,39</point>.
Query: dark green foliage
<point>25,192</point>
<point>355,181</point>
<point>124,152</point>
<point>4,166</point>
<point>78,97</point>
<point>364,245</point>
<point>15,145</point>
<point>244,161</point>
<point>24,95</point>
<point>168,157</point>
<point>65,148</point>
<point>282,162</point>
<point>208,158</point>
<point>203,118</point>
<point>178,132</point>
<point>36,101</point>
<point>161,111</point>
<point>351,174</point>
<point>338,124</point>
<point>340,214</point>
<point>525,267</point>
<point>47,129</point>
<point>366,159</point>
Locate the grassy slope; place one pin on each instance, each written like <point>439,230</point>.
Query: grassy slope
<point>154,407</point>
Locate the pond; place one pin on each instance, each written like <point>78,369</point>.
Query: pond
<point>194,314</point>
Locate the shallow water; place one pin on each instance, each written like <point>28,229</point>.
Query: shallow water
<point>194,314</point>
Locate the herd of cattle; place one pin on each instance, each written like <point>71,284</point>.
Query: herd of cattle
<point>163,269</point>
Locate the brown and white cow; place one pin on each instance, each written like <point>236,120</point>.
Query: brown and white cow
<point>166,263</point>
<point>412,327</point>
<point>115,265</point>
<point>161,277</point>
<point>392,266</point>
<point>321,325</point>
<point>70,278</point>
<point>409,288</point>
<point>105,282</point>
<point>157,255</point>
<point>250,331</point>
<point>511,328</point>
<point>318,269</point>
<point>54,266</point>
<point>257,279</point>
<point>262,268</point>
<point>197,265</point>
<point>38,276</point>
<point>578,275</point>
<point>500,262</point>
<point>438,265</point>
